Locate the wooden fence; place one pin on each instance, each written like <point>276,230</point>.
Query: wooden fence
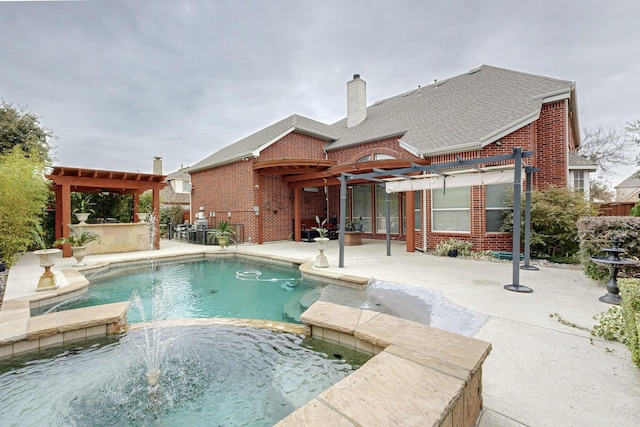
<point>616,208</point>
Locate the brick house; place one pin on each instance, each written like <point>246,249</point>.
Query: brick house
<point>275,181</point>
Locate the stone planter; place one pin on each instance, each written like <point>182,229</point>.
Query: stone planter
<point>82,217</point>
<point>142,216</point>
<point>79,252</point>
<point>47,257</point>
<point>321,259</point>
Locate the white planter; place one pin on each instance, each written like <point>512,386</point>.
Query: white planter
<point>142,216</point>
<point>79,252</point>
<point>82,217</point>
<point>47,257</point>
<point>321,259</point>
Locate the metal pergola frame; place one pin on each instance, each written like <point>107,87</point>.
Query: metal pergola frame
<point>407,173</point>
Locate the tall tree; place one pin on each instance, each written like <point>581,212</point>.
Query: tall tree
<point>19,127</point>
<point>609,148</point>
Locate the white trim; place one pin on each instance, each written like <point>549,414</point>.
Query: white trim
<point>510,128</point>
<point>256,152</point>
<point>409,148</point>
<point>555,96</point>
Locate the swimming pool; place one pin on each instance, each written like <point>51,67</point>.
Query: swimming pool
<point>229,288</point>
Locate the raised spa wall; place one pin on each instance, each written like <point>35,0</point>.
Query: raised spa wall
<point>419,375</point>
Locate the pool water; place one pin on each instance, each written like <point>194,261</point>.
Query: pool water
<point>207,288</point>
<point>214,376</point>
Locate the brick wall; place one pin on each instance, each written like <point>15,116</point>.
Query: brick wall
<point>232,188</point>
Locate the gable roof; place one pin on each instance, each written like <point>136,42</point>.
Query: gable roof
<point>632,181</point>
<point>463,113</point>
<point>256,142</point>
<point>579,162</point>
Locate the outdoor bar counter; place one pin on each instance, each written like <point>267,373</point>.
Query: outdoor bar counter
<point>118,237</point>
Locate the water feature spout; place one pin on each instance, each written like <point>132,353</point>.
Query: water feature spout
<point>152,376</point>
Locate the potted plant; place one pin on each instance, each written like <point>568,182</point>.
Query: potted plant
<point>47,260</point>
<point>357,223</point>
<point>321,240</point>
<point>78,239</point>
<point>223,233</point>
<point>84,210</point>
<point>144,206</point>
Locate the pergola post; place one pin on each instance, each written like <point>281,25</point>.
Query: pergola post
<point>517,196</point>
<point>343,217</point>
<point>387,214</point>
<point>527,222</point>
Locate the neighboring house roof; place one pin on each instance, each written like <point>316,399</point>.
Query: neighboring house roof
<point>462,113</point>
<point>179,174</point>
<point>169,196</point>
<point>632,181</point>
<point>254,143</point>
<point>579,162</point>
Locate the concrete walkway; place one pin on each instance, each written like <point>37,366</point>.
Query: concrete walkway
<point>539,373</point>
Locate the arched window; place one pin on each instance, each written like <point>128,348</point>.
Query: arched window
<point>380,156</point>
<point>364,159</point>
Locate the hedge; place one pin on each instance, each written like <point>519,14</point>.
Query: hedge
<point>630,292</point>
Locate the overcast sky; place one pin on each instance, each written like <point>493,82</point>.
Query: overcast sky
<point>122,81</point>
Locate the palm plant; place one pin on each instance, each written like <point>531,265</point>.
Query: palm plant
<point>85,205</point>
<point>78,237</point>
<point>224,233</point>
<point>39,236</point>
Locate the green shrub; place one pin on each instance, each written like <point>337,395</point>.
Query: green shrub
<point>554,216</point>
<point>635,210</point>
<point>596,233</point>
<point>630,292</point>
<point>611,325</point>
<point>462,246</point>
<point>171,214</point>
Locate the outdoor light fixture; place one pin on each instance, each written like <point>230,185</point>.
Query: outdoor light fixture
<point>229,214</point>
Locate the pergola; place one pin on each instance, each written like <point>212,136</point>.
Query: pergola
<point>476,172</point>
<point>80,180</point>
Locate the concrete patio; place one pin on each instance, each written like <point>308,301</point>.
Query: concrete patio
<point>539,373</point>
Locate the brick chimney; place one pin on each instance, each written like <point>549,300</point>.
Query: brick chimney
<point>356,101</point>
<point>157,165</point>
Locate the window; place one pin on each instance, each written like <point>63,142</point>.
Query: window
<point>381,218</point>
<point>578,181</point>
<point>450,209</point>
<point>497,205</point>
<point>364,159</point>
<point>380,156</point>
<point>361,206</point>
